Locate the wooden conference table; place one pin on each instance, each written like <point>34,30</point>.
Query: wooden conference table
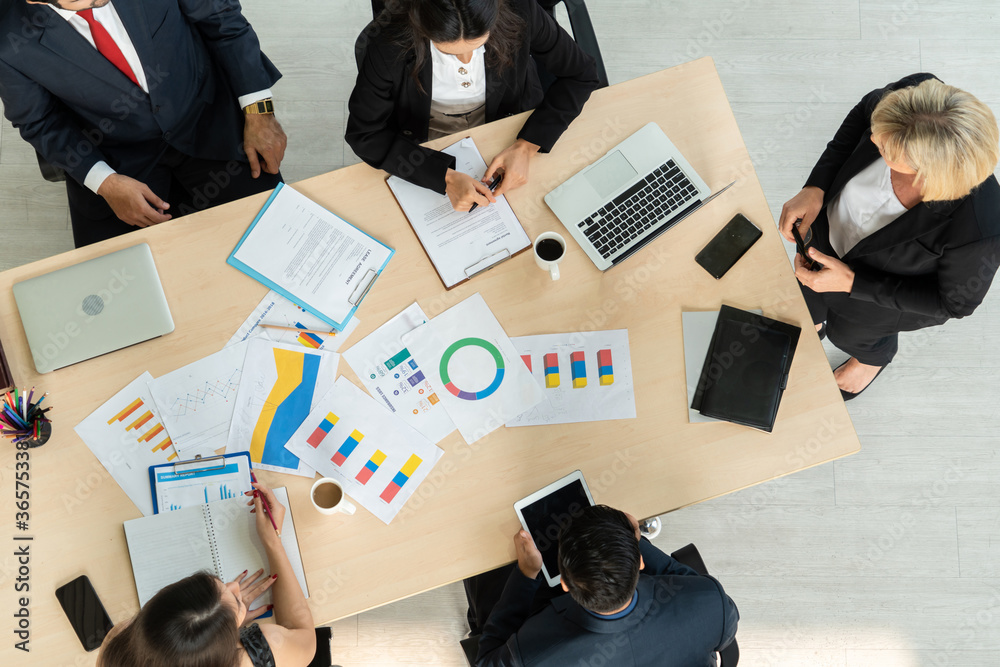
<point>460,521</point>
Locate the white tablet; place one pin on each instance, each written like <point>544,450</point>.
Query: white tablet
<point>544,513</point>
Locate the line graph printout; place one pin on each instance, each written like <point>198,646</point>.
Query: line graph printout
<point>197,401</point>
<point>126,436</point>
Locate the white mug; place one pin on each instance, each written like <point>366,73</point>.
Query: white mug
<point>551,265</point>
<point>326,503</point>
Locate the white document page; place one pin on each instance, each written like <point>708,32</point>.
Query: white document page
<point>395,378</point>
<point>313,254</point>
<point>460,243</point>
<point>277,310</point>
<point>475,369</point>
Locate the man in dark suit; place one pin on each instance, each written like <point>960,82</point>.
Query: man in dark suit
<point>141,103</point>
<point>625,603</point>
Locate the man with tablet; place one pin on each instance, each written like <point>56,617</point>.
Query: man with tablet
<point>628,603</point>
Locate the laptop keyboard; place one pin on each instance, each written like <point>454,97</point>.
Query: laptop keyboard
<point>637,209</point>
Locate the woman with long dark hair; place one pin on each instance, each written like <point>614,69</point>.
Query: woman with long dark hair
<point>200,621</point>
<point>435,67</point>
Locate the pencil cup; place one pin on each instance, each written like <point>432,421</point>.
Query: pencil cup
<point>550,248</point>
<point>328,497</point>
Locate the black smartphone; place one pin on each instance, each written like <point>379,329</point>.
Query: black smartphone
<point>726,248</point>
<point>85,612</point>
<point>807,261</point>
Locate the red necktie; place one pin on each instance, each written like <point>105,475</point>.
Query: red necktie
<point>106,44</point>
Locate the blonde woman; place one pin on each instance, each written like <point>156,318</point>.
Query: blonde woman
<point>904,212</point>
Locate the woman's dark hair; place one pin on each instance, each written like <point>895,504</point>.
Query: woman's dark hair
<point>418,22</point>
<point>599,558</point>
<point>184,625</point>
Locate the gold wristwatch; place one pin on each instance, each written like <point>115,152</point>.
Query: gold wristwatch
<point>262,107</point>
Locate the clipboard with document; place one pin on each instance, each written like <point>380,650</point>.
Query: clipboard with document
<point>199,480</point>
<point>310,256</point>
<point>460,244</point>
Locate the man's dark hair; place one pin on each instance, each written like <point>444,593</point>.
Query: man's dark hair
<point>599,558</point>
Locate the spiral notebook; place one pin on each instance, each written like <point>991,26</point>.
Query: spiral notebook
<point>218,537</point>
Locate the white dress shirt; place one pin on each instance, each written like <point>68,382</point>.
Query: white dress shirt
<point>108,17</point>
<point>865,205</point>
<point>456,83</point>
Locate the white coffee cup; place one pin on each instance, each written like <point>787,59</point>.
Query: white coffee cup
<point>328,497</point>
<point>553,249</point>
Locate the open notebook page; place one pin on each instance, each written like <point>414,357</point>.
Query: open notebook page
<point>167,547</point>
<point>240,548</point>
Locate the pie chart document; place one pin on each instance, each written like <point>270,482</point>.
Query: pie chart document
<point>470,361</point>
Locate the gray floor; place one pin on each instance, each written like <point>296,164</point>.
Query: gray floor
<point>890,557</point>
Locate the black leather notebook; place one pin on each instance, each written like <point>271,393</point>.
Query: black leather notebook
<point>746,369</point>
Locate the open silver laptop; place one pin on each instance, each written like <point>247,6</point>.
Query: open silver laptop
<point>638,190</point>
<point>92,308</point>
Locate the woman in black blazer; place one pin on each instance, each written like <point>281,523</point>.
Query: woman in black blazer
<point>391,106</point>
<point>929,150</point>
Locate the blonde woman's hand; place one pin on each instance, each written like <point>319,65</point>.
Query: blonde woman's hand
<point>805,206</point>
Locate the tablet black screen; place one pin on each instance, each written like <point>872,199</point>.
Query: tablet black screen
<point>546,517</point>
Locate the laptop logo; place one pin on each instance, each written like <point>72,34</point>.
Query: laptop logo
<point>93,305</point>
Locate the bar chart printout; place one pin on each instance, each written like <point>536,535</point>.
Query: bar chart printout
<point>605,369</point>
<point>578,367</point>
<point>602,357</point>
<point>378,458</point>
<point>323,430</point>
<point>370,468</point>
<point>401,478</point>
<point>551,370</point>
<point>127,436</point>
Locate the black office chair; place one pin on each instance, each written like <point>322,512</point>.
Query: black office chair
<point>688,555</point>
<point>322,657</point>
<point>50,172</point>
<point>579,21</point>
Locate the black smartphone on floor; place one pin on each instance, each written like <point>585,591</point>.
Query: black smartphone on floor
<point>728,246</point>
<point>85,612</point>
<point>807,261</point>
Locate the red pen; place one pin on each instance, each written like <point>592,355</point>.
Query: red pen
<point>263,502</point>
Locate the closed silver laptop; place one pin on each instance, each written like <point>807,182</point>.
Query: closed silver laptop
<point>92,308</point>
<point>638,190</point>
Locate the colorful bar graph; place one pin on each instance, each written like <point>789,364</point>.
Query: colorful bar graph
<point>605,369</point>
<point>526,358</point>
<point>121,416</point>
<point>399,358</point>
<point>347,448</point>
<point>151,433</point>
<point>551,361</point>
<point>579,369</point>
<point>143,418</point>
<point>163,445</point>
<point>322,430</point>
<point>416,378</point>
<point>401,478</point>
<point>172,456</point>
<point>308,339</point>
<point>369,469</point>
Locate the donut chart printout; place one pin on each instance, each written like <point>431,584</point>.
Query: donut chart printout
<point>397,379</point>
<point>479,376</point>
<point>378,458</point>
<point>587,376</point>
